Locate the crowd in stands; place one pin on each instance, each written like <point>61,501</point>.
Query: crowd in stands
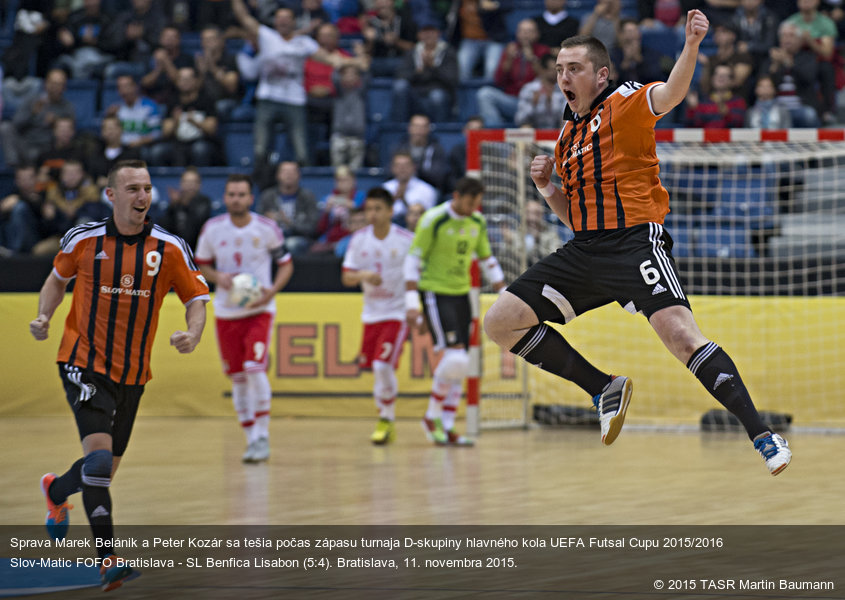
<point>174,76</point>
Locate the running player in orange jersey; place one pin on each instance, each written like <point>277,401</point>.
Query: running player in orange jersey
<point>124,266</point>
<point>613,200</point>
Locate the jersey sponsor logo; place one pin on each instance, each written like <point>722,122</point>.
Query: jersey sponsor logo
<point>101,255</point>
<point>722,378</point>
<point>105,289</point>
<point>578,150</point>
<point>127,280</point>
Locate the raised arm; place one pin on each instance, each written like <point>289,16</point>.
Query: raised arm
<point>247,21</point>
<point>666,96</point>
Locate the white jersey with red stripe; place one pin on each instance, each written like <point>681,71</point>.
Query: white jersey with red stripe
<point>386,257</point>
<point>248,249</point>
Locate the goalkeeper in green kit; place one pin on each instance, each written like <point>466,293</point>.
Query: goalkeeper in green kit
<point>437,271</point>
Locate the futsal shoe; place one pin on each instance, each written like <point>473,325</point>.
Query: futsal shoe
<point>249,454</point>
<point>434,431</point>
<point>453,438</point>
<point>612,404</point>
<point>262,450</point>
<point>57,517</point>
<point>385,432</point>
<point>774,450</point>
<point>114,573</point>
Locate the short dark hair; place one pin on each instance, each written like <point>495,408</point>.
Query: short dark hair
<point>123,164</point>
<point>238,178</point>
<point>469,186</point>
<point>596,51</point>
<point>379,193</point>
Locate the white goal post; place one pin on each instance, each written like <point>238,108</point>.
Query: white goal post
<point>758,222</point>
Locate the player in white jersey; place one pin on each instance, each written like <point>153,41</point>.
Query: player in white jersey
<point>242,241</point>
<point>374,261</point>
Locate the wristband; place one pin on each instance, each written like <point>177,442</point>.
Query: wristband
<point>548,191</point>
<point>412,300</point>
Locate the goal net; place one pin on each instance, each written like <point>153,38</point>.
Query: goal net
<point>758,223</point>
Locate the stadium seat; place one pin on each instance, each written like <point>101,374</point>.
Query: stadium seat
<point>379,99</point>
<point>664,41</point>
<point>84,95</point>
<point>467,101</point>
<point>747,201</point>
<point>718,240</point>
<point>237,144</point>
<point>108,96</point>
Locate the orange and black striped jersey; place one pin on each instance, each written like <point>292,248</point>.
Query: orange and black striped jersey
<point>607,161</point>
<point>121,282</point>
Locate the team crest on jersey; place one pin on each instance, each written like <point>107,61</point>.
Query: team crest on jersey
<point>256,242</point>
<point>127,281</point>
<point>238,241</point>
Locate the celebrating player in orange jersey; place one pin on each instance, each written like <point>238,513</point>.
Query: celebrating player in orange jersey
<point>613,200</point>
<point>124,266</point>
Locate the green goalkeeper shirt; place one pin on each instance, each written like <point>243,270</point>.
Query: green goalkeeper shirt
<point>445,243</point>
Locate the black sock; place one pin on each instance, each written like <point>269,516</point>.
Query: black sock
<point>717,372</point>
<point>67,484</point>
<point>97,502</point>
<point>544,347</point>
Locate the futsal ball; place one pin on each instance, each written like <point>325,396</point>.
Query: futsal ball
<point>245,289</point>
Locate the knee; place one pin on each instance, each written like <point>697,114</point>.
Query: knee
<point>386,385</point>
<point>486,94</point>
<point>454,365</point>
<point>96,468</point>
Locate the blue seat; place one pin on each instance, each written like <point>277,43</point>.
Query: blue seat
<point>467,101</point>
<point>237,144</point>
<point>721,240</point>
<point>191,43</point>
<point>108,96</point>
<point>84,95</point>
<point>664,41</point>
<point>379,99</point>
<point>747,201</point>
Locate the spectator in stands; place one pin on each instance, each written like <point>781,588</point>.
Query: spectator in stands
<point>64,147</point>
<point>32,25</point>
<point>111,149</point>
<point>721,108</point>
<point>188,208</point>
<point>632,61</point>
<point>818,34</point>
<point>80,41</point>
<point>293,207</point>
<point>767,113</point>
<point>131,38</point>
<point>603,22</point>
<point>430,159</point>
<point>74,200</point>
<point>218,71</point>
<point>407,188</point>
<point>310,18</point>
<point>413,215</point>
<point>336,209</point>
<point>139,116</point>
<point>519,65</point>
<point>794,71</point>
<point>655,14</point>
<point>555,24</point>
<point>319,75</point>
<point>388,36</point>
<point>427,79</point>
<point>280,95</point>
<point>727,53</point>
<point>21,222</point>
<point>159,83</point>
<point>541,102</point>
<point>189,131</point>
<point>217,13</point>
<point>458,155</point>
<point>541,237</point>
<point>480,33</point>
<point>30,132</point>
<point>349,119</point>
<point>757,30</point>
<point>357,220</point>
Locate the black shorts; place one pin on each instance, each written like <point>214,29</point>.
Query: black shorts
<point>101,405</point>
<point>449,319</point>
<point>632,266</point>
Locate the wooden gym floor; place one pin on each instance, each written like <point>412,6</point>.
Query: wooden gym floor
<point>186,471</point>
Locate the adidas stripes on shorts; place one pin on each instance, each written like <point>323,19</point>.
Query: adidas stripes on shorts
<point>632,266</point>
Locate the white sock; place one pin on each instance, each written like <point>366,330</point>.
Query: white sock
<point>450,405</point>
<point>242,403</point>
<point>259,390</point>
